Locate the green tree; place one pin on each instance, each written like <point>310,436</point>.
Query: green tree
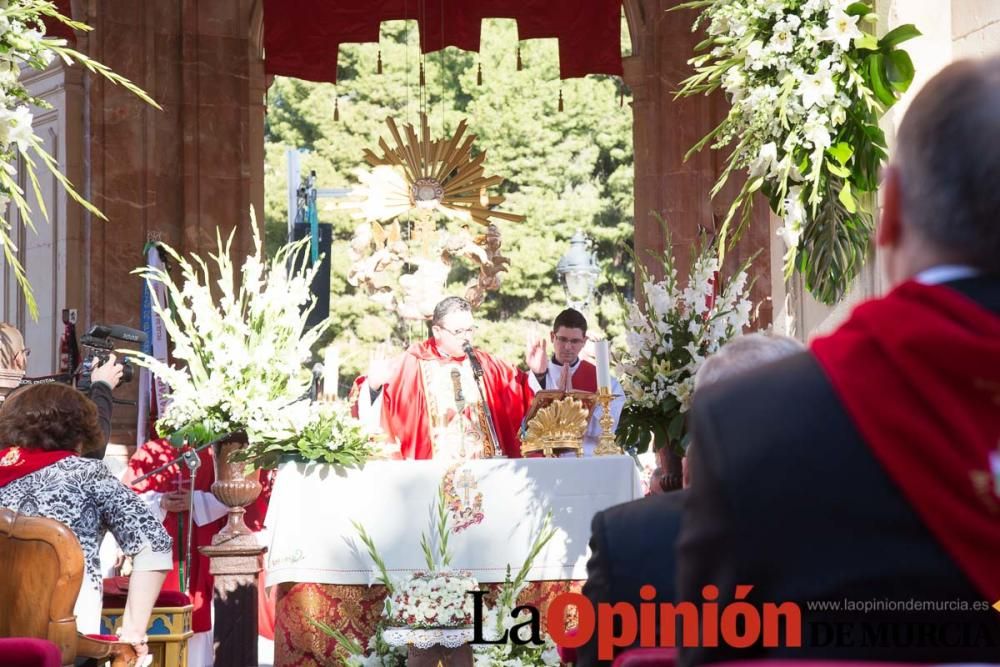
<point>564,170</point>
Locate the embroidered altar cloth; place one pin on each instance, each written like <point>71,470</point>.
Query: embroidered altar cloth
<point>497,507</point>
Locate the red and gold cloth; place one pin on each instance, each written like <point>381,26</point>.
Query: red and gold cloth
<point>405,407</point>
<point>918,372</point>
<point>17,462</point>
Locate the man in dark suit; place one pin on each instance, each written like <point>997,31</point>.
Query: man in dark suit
<point>865,473</point>
<point>632,544</point>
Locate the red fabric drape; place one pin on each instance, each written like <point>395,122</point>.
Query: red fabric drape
<point>302,37</point>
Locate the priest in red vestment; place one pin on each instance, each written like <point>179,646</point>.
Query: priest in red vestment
<point>430,402</point>
<point>568,371</point>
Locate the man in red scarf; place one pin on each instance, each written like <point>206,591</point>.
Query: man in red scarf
<point>430,403</point>
<point>865,473</point>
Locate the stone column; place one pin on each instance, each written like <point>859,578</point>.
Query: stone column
<point>180,174</point>
<point>664,129</point>
<point>236,564</point>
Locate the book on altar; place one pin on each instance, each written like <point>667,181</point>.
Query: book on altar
<point>547,396</point>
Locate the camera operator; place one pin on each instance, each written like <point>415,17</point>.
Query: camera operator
<point>104,379</point>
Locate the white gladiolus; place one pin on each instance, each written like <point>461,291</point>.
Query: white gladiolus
<point>243,353</point>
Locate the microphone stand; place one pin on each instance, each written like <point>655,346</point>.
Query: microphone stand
<point>477,372</point>
<point>192,461</point>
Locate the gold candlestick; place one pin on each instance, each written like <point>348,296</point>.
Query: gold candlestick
<point>606,442</point>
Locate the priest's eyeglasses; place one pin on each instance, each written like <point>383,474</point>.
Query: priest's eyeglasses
<point>468,331</point>
<point>576,342</point>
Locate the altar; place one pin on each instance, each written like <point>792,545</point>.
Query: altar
<point>496,508</point>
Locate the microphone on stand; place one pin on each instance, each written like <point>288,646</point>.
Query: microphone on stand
<point>477,371</point>
<point>477,368</point>
<point>317,377</point>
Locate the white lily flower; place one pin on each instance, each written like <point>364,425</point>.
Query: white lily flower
<point>842,28</point>
<point>817,89</point>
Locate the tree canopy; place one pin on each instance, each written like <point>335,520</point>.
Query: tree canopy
<point>565,170</point>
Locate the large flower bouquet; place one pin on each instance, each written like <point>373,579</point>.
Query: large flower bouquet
<point>807,87</point>
<point>23,43</point>
<point>243,342</point>
<point>667,342</point>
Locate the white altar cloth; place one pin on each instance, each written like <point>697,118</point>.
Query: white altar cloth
<point>312,507</point>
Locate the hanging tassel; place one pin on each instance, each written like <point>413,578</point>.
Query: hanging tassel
<point>479,75</point>
<point>378,65</point>
<point>423,80</point>
<point>336,110</point>
<point>560,100</point>
<point>520,65</point>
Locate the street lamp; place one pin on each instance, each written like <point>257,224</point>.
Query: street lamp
<point>578,271</point>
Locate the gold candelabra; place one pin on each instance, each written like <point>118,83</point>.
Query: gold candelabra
<point>606,445</point>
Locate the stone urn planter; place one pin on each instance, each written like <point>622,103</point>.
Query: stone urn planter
<point>233,487</point>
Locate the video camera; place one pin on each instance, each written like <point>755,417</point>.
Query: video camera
<point>97,344</point>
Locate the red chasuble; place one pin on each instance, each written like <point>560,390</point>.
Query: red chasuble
<point>405,407</point>
<point>919,374</point>
<point>150,456</point>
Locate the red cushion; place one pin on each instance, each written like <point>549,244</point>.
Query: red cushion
<point>823,663</point>
<point>646,657</point>
<point>26,652</point>
<point>116,590</point>
<point>103,638</point>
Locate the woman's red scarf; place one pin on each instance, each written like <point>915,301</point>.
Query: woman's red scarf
<point>919,374</point>
<point>16,462</point>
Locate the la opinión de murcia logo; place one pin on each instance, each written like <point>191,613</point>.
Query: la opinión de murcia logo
<point>738,624</point>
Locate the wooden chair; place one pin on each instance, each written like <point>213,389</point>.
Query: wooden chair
<point>42,565</point>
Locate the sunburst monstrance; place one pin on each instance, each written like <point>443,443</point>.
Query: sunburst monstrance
<point>428,181</point>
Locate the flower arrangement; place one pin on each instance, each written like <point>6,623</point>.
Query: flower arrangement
<point>807,87</point>
<point>441,590</point>
<point>244,357</point>
<point>434,600</point>
<point>23,43</point>
<point>667,342</point>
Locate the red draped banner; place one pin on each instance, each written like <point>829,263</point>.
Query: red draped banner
<point>302,37</point>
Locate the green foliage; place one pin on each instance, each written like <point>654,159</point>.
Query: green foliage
<point>334,437</point>
<point>564,170</point>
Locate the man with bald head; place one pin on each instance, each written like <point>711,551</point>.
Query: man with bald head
<point>13,358</point>
<point>865,473</point>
